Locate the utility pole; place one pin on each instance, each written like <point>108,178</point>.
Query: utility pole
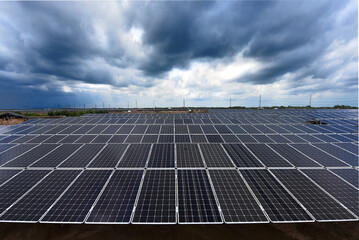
<point>136,103</point>
<point>310,100</point>
<point>153,104</point>
<point>184,103</point>
<point>260,100</point>
<point>230,102</point>
<point>103,105</point>
<point>128,105</point>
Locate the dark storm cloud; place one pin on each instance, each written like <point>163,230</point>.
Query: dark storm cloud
<point>54,42</point>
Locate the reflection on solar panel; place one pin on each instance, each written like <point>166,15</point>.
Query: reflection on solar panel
<point>237,202</point>
<point>116,203</point>
<point>318,203</point>
<point>196,201</point>
<point>232,166</point>
<point>276,201</point>
<point>157,200</point>
<point>74,205</point>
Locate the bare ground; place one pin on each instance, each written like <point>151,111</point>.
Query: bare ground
<point>302,231</point>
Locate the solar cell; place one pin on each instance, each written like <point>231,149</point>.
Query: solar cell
<point>116,202</point>
<point>74,205</point>
<point>182,139</point>
<point>165,139</point>
<point>133,139</point>
<point>162,156</point>
<point>196,202</point>
<point>276,201</point>
<point>241,156</point>
<point>117,139</point>
<point>214,138</point>
<point>34,204</point>
<point>4,147</point>
<point>157,199</point>
<point>237,203</point>
<point>70,139</point>
<point>54,139</point>
<point>314,199</point>
<point>86,139</point>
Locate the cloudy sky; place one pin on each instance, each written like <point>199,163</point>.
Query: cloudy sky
<point>74,53</point>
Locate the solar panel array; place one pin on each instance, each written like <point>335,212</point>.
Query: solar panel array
<point>227,166</point>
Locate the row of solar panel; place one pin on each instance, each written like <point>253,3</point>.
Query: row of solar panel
<point>178,155</point>
<point>179,138</point>
<point>183,196</point>
<point>178,129</point>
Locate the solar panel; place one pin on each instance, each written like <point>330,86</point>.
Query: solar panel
<point>57,156</point>
<point>16,151</point>
<point>279,205</point>
<point>237,203</point>
<point>54,139</point>
<point>135,156</point>
<point>117,139</point>
<point>75,204</point>
<point>293,156</point>
<point>149,138</point>
<point>314,199</point>
<point>214,138</point>
<point>318,155</point>
<point>267,156</point>
<point>348,174</point>
<point>18,186</point>
<point>109,156</point>
<point>198,139</point>
<point>335,186</point>
<point>339,153</point>
<point>116,202</point>
<point>188,156</point>
<point>241,156</point>
<point>82,157</point>
<point>196,202</point>
<point>157,199</point>
<point>31,156</point>
<point>86,139</point>
<point>182,139</point>
<point>214,156</point>
<point>101,139</point>
<point>162,156</point>
<point>6,174</point>
<point>33,205</point>
<point>4,147</point>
